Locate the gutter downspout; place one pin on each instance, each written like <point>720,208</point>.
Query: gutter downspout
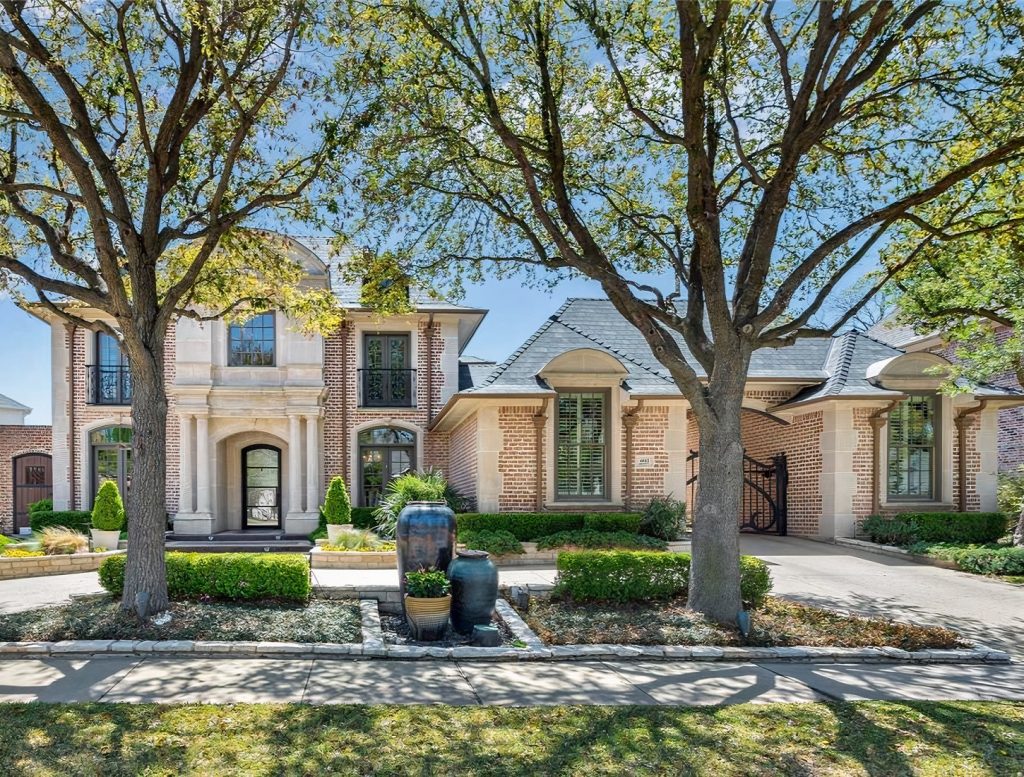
<point>71,330</point>
<point>539,420</point>
<point>344,328</point>
<point>960,421</point>
<point>877,420</point>
<point>430,369</point>
<point>629,421</point>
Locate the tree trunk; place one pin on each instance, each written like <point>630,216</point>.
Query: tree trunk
<point>1018,532</point>
<point>145,573</point>
<point>715,571</point>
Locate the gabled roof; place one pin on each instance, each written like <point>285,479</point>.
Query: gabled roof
<point>6,403</point>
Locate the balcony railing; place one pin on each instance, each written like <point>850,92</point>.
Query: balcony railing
<point>380,387</point>
<point>109,384</point>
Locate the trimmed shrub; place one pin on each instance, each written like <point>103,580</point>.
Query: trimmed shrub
<point>617,522</point>
<point>79,520</point>
<point>497,543</point>
<point>42,506</point>
<point>60,541</point>
<point>337,509</point>
<point>527,527</point>
<point>585,538</point>
<point>664,518</point>
<point>628,576</point>
<point>223,576</point>
<point>984,561</point>
<point>362,517</point>
<point>908,528</point>
<point>108,509</point>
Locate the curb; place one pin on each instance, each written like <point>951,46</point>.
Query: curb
<point>897,552</point>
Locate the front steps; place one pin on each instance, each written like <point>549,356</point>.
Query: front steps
<point>252,541</point>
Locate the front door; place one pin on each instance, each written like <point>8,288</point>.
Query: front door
<point>379,466</point>
<point>261,487</point>
<point>33,480</point>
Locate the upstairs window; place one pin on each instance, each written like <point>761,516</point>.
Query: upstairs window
<point>912,449</point>
<point>581,454</point>
<point>252,344</point>
<point>110,379</point>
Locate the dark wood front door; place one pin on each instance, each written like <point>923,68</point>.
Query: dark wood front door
<point>261,487</point>
<point>33,480</point>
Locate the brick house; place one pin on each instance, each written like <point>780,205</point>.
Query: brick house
<point>25,471</point>
<point>581,417</point>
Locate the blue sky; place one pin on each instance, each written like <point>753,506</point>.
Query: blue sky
<point>515,312</point>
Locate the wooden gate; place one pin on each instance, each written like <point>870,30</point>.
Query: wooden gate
<point>763,506</point>
<point>33,480</point>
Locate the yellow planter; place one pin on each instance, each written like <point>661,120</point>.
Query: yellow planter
<point>428,618</point>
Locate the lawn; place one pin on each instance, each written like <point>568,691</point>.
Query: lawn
<point>867,738</point>
<point>777,623</point>
<point>101,618</point>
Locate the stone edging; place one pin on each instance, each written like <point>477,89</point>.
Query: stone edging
<point>14,568</point>
<point>893,550</point>
<point>374,647</point>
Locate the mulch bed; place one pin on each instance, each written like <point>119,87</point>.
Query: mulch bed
<point>778,623</point>
<point>101,618</point>
<point>397,632</point>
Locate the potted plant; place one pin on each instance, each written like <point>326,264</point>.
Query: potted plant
<point>428,602</point>
<point>107,517</point>
<point>337,510</point>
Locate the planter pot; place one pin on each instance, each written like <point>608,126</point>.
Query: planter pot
<point>474,589</point>
<point>105,539</point>
<point>425,538</point>
<point>335,530</point>
<point>428,618</point>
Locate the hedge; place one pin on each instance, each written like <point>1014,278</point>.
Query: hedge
<point>630,575</point>
<point>79,520</point>
<point>908,528</point>
<point>497,543</point>
<point>223,576</point>
<point>588,538</point>
<point>527,527</point>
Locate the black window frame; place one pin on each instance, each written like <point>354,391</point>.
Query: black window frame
<point>238,330</point>
<point>606,494</point>
<point>936,437</point>
<point>245,486</point>
<point>109,379</point>
<point>384,445</point>
<point>124,470</point>
<point>387,386</point>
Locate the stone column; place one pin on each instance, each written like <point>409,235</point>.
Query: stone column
<point>294,465</point>
<point>312,464</point>
<point>186,498</point>
<point>203,500</point>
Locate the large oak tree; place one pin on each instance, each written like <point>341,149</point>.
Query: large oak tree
<point>140,141</point>
<point>718,168</point>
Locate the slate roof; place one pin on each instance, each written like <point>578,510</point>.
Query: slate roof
<point>473,371</point>
<point>834,366</point>
<point>897,335</point>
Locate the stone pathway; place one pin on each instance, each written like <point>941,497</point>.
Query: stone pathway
<point>312,681</point>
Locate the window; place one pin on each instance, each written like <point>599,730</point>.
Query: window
<point>386,378</point>
<point>110,378</point>
<point>261,487</point>
<point>913,428</point>
<point>384,453</point>
<point>111,457</point>
<point>581,454</point>
<point>252,344</point>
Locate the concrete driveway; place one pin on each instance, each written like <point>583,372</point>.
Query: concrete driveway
<point>989,611</point>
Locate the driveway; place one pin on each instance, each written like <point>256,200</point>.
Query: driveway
<point>986,610</point>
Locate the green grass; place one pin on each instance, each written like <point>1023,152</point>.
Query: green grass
<point>319,621</point>
<point>775,624</point>
<point>868,738</point>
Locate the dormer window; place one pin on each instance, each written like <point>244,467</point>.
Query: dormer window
<point>251,344</point>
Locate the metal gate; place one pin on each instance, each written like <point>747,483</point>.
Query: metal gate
<point>763,507</point>
<point>33,480</point>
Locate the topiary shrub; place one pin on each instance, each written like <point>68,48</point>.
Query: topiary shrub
<point>231,576</point>
<point>108,509</point>
<point>907,528</point>
<point>584,538</point>
<point>79,520</point>
<point>613,522</point>
<point>629,576</point>
<point>337,509</point>
<point>664,518</point>
<point>497,543</point>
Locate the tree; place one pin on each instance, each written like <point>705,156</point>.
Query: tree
<point>750,156</point>
<point>141,139</point>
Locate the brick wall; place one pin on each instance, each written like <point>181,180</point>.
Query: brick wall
<point>862,458</point>
<point>517,460</point>
<point>343,415</point>
<point>650,441</point>
<point>462,459</point>
<point>14,441</point>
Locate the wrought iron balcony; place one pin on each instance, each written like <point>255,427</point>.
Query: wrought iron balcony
<point>380,387</point>
<point>108,384</point>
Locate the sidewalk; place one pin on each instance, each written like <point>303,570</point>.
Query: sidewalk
<point>313,681</point>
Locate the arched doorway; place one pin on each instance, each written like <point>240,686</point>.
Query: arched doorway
<point>261,487</point>
<point>385,452</point>
<point>33,480</point>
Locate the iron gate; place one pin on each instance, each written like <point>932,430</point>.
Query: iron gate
<point>763,507</point>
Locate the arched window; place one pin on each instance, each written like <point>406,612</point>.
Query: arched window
<point>111,449</point>
<point>385,452</point>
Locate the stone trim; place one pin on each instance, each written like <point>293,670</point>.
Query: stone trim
<point>12,568</point>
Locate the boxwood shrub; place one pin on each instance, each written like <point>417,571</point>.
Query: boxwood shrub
<point>497,543</point>
<point>587,538</point>
<point>230,576</point>
<point>79,520</point>
<point>908,528</point>
<point>630,575</point>
<point>527,527</point>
